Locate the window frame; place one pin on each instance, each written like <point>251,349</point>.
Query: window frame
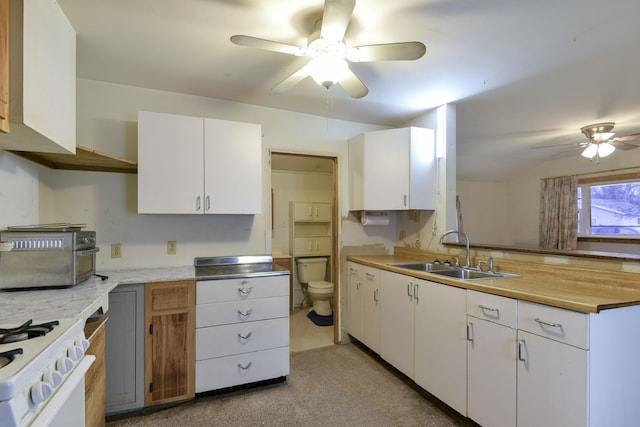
<point>584,206</point>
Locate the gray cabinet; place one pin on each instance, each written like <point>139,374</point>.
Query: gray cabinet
<point>125,349</point>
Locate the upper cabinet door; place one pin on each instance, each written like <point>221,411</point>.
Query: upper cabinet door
<point>233,167</point>
<point>392,169</point>
<point>170,164</point>
<point>42,52</point>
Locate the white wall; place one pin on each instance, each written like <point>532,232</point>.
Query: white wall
<point>107,121</point>
<point>485,211</point>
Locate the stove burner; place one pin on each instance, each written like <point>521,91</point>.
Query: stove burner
<point>6,357</point>
<point>26,331</point>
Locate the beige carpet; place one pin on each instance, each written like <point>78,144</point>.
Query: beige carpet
<point>340,385</point>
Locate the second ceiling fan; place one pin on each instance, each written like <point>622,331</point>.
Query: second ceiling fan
<point>330,54</point>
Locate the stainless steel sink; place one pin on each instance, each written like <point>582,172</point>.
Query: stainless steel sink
<point>424,266</point>
<point>469,274</point>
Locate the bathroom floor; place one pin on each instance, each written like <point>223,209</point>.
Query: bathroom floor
<point>304,334</point>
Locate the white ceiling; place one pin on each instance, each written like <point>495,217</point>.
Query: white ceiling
<point>521,73</point>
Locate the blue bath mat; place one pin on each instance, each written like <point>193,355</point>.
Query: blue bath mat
<point>320,320</point>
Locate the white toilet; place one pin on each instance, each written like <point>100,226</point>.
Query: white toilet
<point>312,271</point>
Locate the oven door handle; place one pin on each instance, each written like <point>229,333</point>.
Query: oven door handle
<point>87,252</point>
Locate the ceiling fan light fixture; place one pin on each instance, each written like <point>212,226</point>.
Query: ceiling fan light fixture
<point>327,70</point>
<point>602,136</point>
<point>590,151</point>
<point>601,149</point>
<point>604,149</point>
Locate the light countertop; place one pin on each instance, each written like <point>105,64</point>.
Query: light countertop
<point>82,300</point>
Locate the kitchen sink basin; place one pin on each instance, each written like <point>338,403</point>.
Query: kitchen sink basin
<point>424,266</point>
<point>469,274</point>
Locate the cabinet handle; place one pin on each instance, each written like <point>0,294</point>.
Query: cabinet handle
<point>358,286</point>
<point>315,212</point>
<point>491,309</point>
<point>310,211</point>
<point>245,367</point>
<point>470,331</point>
<point>370,276</point>
<point>207,204</point>
<point>244,313</point>
<point>353,271</point>
<point>409,290</point>
<point>245,290</point>
<point>244,337</point>
<point>198,203</point>
<point>522,348</point>
<point>404,200</point>
<point>310,246</point>
<point>375,295</point>
<point>553,325</point>
<point>317,246</point>
<point>415,292</point>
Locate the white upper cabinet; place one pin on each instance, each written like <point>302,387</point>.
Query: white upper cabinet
<point>191,165</point>
<point>42,99</point>
<point>392,169</point>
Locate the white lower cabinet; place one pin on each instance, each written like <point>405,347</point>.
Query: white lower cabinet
<point>355,291</point>
<point>491,359</point>
<point>397,320</point>
<point>553,370</point>
<point>242,331</point>
<point>440,342</point>
<point>371,308</point>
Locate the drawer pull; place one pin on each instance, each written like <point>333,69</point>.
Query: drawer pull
<point>415,292</point>
<point>245,367</point>
<point>553,325</point>
<point>485,308</point>
<point>375,295</point>
<point>522,351</point>
<point>244,337</point>
<point>409,290</point>
<point>245,291</point>
<point>244,313</point>
<point>470,331</point>
<point>370,276</point>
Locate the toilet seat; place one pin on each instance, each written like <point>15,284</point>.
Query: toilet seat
<point>320,287</point>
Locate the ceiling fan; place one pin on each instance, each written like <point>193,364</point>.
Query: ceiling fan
<point>330,54</point>
<point>600,141</point>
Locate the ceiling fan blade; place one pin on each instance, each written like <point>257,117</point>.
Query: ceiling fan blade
<point>249,41</point>
<point>335,19</point>
<point>627,138</point>
<point>622,145</point>
<point>352,85</point>
<point>291,81</point>
<point>387,52</point>
<point>577,144</point>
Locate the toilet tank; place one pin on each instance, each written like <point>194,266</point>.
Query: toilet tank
<point>311,269</point>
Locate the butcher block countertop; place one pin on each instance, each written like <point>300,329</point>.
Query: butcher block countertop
<point>578,289</point>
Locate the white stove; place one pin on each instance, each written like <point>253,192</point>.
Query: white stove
<point>40,376</point>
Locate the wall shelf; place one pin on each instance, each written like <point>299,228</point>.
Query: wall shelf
<point>85,159</point>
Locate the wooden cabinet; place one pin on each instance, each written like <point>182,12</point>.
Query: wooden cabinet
<point>397,320</point>
<point>392,169</point>
<point>491,354</point>
<point>4,65</point>
<point>125,349</point>
<point>440,342</point>
<point>96,376</point>
<point>169,353</point>
<point>242,331</point>
<point>194,165</point>
<point>42,78</point>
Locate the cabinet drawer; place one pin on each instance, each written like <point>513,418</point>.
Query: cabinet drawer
<point>493,308</point>
<point>554,323</point>
<point>214,374</point>
<point>208,291</point>
<point>217,341</point>
<point>223,313</point>
<point>312,245</point>
<point>170,295</point>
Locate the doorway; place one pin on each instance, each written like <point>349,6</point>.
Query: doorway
<point>306,179</point>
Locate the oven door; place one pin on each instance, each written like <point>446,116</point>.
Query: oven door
<point>66,407</point>
<point>84,264</point>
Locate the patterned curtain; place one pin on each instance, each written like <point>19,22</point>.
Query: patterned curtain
<point>559,213</point>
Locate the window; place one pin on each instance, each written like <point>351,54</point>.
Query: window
<point>609,206</point>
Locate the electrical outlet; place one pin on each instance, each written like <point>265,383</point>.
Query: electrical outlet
<point>171,247</point>
<point>116,250</point>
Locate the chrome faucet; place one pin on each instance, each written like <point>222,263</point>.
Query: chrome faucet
<point>466,238</point>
